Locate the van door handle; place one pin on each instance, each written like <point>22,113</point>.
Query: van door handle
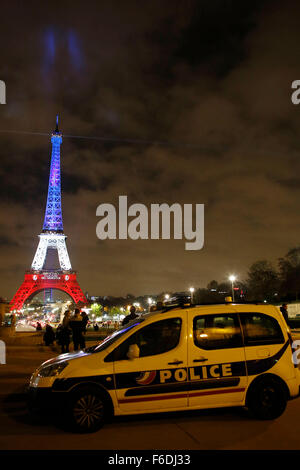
<point>201,359</point>
<point>175,363</point>
<point>263,352</point>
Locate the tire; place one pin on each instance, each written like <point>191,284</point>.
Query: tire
<point>266,399</point>
<point>86,410</point>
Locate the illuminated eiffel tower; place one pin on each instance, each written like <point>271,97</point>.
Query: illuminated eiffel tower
<point>51,267</point>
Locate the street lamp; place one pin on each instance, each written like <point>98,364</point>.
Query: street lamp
<point>167,296</point>
<point>192,290</point>
<point>232,278</point>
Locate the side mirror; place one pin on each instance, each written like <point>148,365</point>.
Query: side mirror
<point>133,351</point>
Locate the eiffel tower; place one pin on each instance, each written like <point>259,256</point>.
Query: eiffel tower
<point>51,267</point>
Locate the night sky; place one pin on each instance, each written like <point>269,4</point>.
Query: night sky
<point>209,80</point>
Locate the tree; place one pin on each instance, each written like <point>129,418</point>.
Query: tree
<point>96,309</point>
<point>289,268</point>
<point>212,286</point>
<point>263,281</point>
<point>115,311</point>
<point>202,296</point>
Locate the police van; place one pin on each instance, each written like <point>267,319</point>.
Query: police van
<point>175,359</point>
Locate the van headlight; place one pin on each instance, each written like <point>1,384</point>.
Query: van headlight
<point>51,371</point>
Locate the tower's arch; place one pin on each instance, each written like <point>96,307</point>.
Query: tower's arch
<point>57,290</point>
<point>35,282</point>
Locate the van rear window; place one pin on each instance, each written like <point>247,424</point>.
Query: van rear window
<point>259,328</point>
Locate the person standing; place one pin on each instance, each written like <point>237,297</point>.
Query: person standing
<point>64,334</point>
<point>77,330</point>
<point>49,336</point>
<point>131,316</point>
<point>284,311</point>
<point>85,320</point>
<point>13,325</point>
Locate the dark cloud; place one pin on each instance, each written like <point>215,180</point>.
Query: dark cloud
<point>5,240</point>
<point>214,38</point>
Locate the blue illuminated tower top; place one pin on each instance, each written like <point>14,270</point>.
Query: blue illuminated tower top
<point>53,216</point>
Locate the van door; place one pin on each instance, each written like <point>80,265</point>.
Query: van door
<point>216,356</point>
<point>157,379</point>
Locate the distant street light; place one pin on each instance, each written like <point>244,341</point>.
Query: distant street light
<point>192,290</point>
<point>167,296</point>
<point>232,278</point>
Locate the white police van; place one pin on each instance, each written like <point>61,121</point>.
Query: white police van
<point>176,359</point>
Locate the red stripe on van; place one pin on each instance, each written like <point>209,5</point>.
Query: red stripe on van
<point>215,392</point>
<point>181,395</point>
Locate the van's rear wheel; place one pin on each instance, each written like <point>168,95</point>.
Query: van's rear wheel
<point>86,410</point>
<point>266,399</point>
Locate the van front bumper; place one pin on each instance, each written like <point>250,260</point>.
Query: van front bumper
<point>43,399</point>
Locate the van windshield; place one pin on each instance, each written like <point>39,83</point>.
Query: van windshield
<point>114,336</point>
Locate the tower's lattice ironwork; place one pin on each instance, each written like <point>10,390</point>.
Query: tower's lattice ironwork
<point>52,244</point>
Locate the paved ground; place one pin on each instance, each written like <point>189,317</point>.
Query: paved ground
<point>215,429</point>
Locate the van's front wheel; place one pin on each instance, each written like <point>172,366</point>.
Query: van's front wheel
<point>86,410</point>
<point>266,399</point>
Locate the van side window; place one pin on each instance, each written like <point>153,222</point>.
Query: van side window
<point>259,329</point>
<point>217,332</point>
<point>157,338</point>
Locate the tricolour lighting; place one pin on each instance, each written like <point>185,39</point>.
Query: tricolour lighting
<point>53,215</point>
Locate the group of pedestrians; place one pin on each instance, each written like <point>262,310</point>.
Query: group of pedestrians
<point>71,325</point>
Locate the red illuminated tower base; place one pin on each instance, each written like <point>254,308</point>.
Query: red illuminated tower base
<point>35,283</point>
<point>51,267</point>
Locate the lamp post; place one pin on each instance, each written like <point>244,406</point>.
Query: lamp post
<point>192,290</point>
<point>232,278</point>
